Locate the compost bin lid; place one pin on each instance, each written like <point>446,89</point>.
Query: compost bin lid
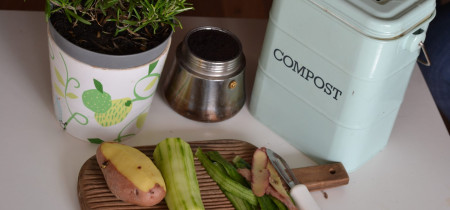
<point>382,19</point>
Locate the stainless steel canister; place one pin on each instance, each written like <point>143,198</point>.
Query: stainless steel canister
<point>208,80</point>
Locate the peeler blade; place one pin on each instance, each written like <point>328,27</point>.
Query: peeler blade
<point>282,168</point>
<point>299,192</point>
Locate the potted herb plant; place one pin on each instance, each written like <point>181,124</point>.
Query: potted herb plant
<point>106,58</point>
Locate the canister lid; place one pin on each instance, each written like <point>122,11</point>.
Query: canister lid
<point>382,19</point>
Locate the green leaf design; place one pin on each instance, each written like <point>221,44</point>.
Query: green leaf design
<point>59,77</point>
<point>98,86</point>
<point>58,91</point>
<point>141,120</point>
<point>72,95</point>
<point>52,55</point>
<point>95,140</point>
<point>151,84</point>
<point>152,67</point>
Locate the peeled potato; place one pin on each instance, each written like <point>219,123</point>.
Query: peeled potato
<point>130,174</point>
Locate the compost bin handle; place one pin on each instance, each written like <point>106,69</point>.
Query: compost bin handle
<point>427,62</point>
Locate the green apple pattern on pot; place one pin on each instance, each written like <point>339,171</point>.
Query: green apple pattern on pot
<point>107,110</point>
<point>110,112</point>
<point>97,100</point>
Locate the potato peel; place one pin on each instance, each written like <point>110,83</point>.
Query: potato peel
<point>259,172</point>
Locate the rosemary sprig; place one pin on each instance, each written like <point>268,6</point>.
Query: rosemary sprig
<point>128,15</point>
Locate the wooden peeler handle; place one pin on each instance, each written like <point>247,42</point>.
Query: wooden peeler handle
<point>322,176</point>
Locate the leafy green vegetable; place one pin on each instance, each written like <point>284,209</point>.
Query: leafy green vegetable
<point>238,203</point>
<point>266,203</point>
<point>241,163</point>
<point>225,182</point>
<point>279,205</point>
<point>228,167</point>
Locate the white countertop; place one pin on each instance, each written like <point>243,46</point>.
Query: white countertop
<point>40,162</point>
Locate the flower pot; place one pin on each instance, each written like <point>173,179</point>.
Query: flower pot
<point>99,97</point>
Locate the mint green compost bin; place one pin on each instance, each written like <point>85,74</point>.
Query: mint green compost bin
<point>332,74</point>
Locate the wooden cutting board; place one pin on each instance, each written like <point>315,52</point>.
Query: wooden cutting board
<point>93,193</point>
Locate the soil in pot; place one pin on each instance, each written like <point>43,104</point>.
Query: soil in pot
<point>101,39</point>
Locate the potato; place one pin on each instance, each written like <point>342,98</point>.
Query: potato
<point>130,174</point>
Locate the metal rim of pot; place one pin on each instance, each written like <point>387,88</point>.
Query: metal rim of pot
<point>210,69</point>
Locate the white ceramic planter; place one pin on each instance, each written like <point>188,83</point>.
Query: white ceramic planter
<point>100,97</point>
